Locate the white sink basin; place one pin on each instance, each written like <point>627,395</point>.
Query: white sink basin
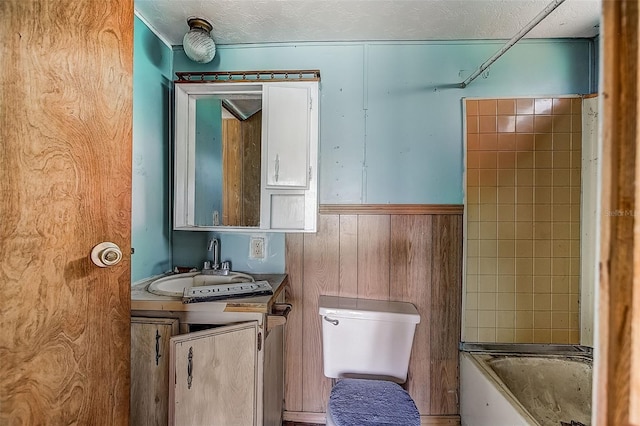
<point>174,285</point>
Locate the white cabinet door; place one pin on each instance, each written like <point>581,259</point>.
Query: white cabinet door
<point>289,200</point>
<point>214,377</point>
<point>286,112</point>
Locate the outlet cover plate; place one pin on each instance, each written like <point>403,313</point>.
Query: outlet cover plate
<point>256,248</point>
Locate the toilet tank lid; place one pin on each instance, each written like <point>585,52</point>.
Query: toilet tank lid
<point>378,310</point>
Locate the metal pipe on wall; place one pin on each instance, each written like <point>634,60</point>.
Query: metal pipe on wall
<point>535,21</point>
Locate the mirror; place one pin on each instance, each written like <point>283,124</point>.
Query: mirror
<point>227,143</point>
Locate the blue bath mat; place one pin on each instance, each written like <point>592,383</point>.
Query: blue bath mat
<point>359,402</point>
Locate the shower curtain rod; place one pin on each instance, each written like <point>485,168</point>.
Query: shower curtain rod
<point>535,21</point>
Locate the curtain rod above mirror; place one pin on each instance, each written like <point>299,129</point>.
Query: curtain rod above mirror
<point>247,76</point>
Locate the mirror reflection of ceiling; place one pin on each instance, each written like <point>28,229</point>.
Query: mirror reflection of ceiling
<point>242,109</point>
<point>266,21</point>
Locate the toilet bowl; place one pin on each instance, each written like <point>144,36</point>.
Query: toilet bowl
<point>366,347</point>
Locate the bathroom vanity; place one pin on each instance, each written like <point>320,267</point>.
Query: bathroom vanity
<point>210,362</point>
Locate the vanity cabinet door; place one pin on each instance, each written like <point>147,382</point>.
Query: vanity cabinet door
<point>150,369</point>
<point>214,376</point>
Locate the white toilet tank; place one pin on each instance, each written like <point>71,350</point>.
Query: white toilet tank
<point>367,338</point>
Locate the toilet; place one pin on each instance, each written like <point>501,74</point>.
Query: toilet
<point>366,345</point>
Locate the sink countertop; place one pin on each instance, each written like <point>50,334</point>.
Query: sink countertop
<point>142,300</point>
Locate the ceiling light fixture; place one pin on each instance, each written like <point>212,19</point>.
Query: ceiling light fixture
<point>198,43</point>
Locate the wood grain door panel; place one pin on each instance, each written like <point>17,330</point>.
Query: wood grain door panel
<point>65,186</point>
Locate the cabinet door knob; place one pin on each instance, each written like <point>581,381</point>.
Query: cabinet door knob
<point>106,254</point>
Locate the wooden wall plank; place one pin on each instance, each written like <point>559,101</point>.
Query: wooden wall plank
<point>373,256</point>
<point>293,349</point>
<point>349,256</point>
<point>321,277</point>
<point>446,302</point>
<point>411,282</point>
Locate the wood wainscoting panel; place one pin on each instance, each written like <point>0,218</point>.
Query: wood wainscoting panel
<point>401,256</point>
<point>373,257</point>
<point>349,256</point>
<point>293,334</point>
<point>446,307</point>
<point>411,254</point>
<point>321,276</point>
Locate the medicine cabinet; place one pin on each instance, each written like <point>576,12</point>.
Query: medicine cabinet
<point>246,151</point>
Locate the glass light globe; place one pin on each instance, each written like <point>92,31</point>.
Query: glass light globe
<point>198,43</point>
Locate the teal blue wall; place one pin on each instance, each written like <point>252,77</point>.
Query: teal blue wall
<point>391,126</point>
<point>190,249</point>
<point>391,118</point>
<point>150,225</point>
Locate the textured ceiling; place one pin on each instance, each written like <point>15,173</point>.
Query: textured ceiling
<point>263,21</point>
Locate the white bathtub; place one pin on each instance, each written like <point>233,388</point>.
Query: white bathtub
<point>500,388</point>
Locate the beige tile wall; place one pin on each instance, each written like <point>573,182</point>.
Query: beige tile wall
<point>523,161</point>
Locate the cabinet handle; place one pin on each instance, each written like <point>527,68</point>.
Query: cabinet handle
<point>190,368</point>
<point>157,346</point>
<point>277,166</point>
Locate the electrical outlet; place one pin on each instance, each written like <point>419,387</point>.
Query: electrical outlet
<point>256,248</point>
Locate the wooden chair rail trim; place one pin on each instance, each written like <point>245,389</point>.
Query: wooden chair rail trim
<point>409,209</point>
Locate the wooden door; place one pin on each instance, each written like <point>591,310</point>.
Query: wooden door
<point>65,186</point>
<point>214,377</point>
<point>617,388</point>
<point>241,165</point>
<point>150,339</point>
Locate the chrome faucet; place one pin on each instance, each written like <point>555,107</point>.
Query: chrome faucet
<point>214,247</point>
<point>213,266</point>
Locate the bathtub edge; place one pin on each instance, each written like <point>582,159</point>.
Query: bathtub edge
<point>482,393</point>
